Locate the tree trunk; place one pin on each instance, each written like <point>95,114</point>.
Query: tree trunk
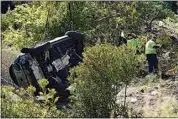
<point>125,96</point>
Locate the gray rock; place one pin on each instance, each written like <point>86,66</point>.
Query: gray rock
<point>153,93</point>
<point>133,100</point>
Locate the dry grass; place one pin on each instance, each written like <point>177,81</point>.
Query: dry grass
<point>161,102</point>
<point>152,98</point>
<point>164,107</point>
<point>8,55</point>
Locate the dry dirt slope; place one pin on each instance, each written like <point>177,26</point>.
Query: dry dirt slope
<point>152,97</point>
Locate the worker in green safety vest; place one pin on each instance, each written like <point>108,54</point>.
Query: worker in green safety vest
<point>132,42</point>
<point>150,51</point>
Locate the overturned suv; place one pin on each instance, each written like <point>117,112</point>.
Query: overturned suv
<point>50,60</point>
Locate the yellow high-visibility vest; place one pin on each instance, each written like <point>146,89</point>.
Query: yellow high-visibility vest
<point>132,43</point>
<point>149,47</point>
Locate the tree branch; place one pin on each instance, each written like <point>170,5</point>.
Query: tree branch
<point>156,16</point>
<point>108,17</point>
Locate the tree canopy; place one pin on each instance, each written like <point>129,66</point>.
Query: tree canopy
<point>33,22</point>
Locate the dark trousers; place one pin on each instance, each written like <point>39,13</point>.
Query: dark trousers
<point>152,62</point>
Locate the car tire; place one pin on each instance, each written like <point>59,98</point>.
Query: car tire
<point>75,35</point>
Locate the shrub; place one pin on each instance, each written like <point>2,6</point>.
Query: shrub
<point>165,41</point>
<point>99,78</point>
<point>142,39</point>
<point>15,104</point>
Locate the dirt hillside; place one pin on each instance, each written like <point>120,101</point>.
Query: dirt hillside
<point>152,97</point>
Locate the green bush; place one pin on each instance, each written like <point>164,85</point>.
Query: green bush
<point>141,40</point>
<point>16,105</point>
<point>164,40</point>
<point>27,25</point>
<point>99,78</point>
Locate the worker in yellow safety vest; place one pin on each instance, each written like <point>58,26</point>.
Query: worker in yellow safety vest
<point>132,42</point>
<point>150,51</point>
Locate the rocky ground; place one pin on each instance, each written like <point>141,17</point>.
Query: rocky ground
<point>152,97</point>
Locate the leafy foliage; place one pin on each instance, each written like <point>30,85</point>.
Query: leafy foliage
<point>105,70</point>
<point>99,78</point>
<point>16,103</point>
<point>100,20</point>
<point>26,25</point>
<point>151,10</point>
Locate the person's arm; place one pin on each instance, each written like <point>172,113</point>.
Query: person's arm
<point>155,46</point>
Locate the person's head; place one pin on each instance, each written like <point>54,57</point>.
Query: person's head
<point>130,36</point>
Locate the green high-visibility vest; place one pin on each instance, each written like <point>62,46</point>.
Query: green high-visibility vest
<point>149,47</point>
<point>132,43</point>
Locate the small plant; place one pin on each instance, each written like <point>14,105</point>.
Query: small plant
<point>15,104</point>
